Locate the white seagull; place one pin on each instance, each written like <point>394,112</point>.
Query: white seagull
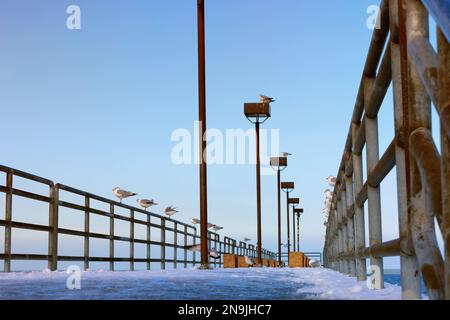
<point>122,194</point>
<point>195,221</point>
<point>145,203</point>
<point>216,228</point>
<point>265,99</point>
<point>197,248</point>
<point>331,181</point>
<point>170,211</point>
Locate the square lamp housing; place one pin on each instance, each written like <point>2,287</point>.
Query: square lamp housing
<point>287,185</point>
<point>257,110</point>
<point>294,201</point>
<point>299,210</point>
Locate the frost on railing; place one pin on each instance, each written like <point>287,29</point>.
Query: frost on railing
<point>400,54</point>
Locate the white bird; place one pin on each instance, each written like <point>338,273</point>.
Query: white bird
<point>265,99</point>
<point>195,221</point>
<point>122,194</point>
<point>216,228</point>
<point>247,239</point>
<point>249,261</point>
<point>197,248</point>
<point>331,181</point>
<point>170,211</point>
<point>285,154</point>
<point>211,225</point>
<point>145,203</point>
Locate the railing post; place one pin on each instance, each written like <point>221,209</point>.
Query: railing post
<point>132,240</point>
<point>149,239</point>
<point>86,231</point>
<point>53,224</point>
<point>444,100</point>
<point>175,244</point>
<point>373,193</point>
<point>111,237</point>
<point>163,243</point>
<point>194,242</point>
<point>185,244</point>
<point>350,223</point>
<point>360,233</point>
<point>408,264</point>
<point>8,218</point>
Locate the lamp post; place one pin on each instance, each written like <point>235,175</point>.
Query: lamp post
<point>279,164</point>
<point>258,113</point>
<point>298,212</point>
<point>202,126</point>
<point>294,202</point>
<point>287,187</point>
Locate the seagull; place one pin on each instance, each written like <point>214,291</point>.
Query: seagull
<point>195,221</point>
<point>145,203</point>
<point>211,225</point>
<point>247,239</point>
<point>170,211</point>
<point>265,99</point>
<point>314,263</point>
<point>285,154</point>
<point>197,248</point>
<point>331,181</point>
<point>216,228</point>
<point>249,261</point>
<point>122,194</point>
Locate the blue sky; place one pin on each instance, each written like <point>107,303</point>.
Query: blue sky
<point>95,108</point>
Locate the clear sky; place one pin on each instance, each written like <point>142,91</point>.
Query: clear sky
<point>95,108</point>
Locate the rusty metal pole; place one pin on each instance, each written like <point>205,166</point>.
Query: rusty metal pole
<point>258,193</point>
<point>279,215</point>
<point>293,227</point>
<point>287,225</point>
<point>298,231</point>
<point>202,127</point>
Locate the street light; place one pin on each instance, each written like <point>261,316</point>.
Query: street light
<point>294,202</point>
<point>287,187</point>
<point>258,113</point>
<point>298,212</point>
<point>279,164</point>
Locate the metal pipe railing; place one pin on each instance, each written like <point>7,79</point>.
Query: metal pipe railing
<point>136,216</point>
<point>419,76</point>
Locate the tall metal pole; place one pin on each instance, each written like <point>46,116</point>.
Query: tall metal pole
<point>279,216</point>
<point>287,225</point>
<point>298,232</point>
<point>202,127</point>
<point>293,226</point>
<point>258,193</point>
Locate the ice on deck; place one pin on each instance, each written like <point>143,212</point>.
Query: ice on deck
<point>240,284</point>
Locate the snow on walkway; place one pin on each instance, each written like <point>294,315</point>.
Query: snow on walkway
<point>220,284</point>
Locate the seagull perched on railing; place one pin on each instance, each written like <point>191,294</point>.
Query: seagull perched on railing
<point>195,221</point>
<point>285,154</point>
<point>145,203</point>
<point>246,240</point>
<point>122,194</point>
<point>265,99</point>
<point>197,248</point>
<point>331,181</point>
<point>216,228</point>
<point>170,211</point>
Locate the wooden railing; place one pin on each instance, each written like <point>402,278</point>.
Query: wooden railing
<point>400,53</point>
<point>134,217</point>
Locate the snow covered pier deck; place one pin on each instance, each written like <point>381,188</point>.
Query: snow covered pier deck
<point>187,284</point>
